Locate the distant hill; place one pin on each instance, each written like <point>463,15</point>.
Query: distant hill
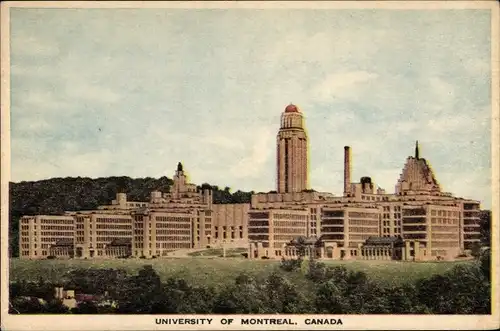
<point>57,195</point>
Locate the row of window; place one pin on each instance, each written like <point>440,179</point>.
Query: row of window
<point>173,219</point>
<point>53,239</point>
<point>57,227</point>
<point>224,234</point>
<point>451,236</point>
<point>396,208</point>
<point>231,227</point>
<point>290,230</point>
<point>289,217</point>
<point>114,226</point>
<point>185,232</point>
<point>469,214</point>
<point>445,244</point>
<point>388,216</point>
<point>114,233</point>
<point>57,233</point>
<point>444,213</point>
<point>290,224</point>
<point>52,221</point>
<point>258,223</point>
<point>364,222</point>
<point>372,198</point>
<point>444,229</point>
<point>173,238</point>
<point>173,226</point>
<point>444,221</point>
<point>355,214</point>
<point>108,220</point>
<point>360,229</point>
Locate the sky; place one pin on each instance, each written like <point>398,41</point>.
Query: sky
<point>131,92</point>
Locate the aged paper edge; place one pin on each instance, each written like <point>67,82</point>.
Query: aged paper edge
<point>138,322</point>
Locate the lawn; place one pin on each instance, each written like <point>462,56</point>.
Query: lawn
<point>230,252</point>
<point>213,271</point>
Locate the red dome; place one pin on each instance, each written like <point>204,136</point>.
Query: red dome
<point>291,109</point>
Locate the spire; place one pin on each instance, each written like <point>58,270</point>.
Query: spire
<point>179,166</point>
<point>417,151</point>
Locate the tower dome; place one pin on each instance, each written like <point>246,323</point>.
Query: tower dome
<point>291,108</point>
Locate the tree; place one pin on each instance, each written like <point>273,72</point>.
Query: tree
<point>86,307</point>
<point>462,290</point>
<point>301,247</point>
<point>485,217</point>
<point>140,294</point>
<point>485,264</point>
<point>245,296</point>
<point>329,299</point>
<point>55,307</point>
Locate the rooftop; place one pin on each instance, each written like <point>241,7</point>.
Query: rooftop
<point>291,108</point>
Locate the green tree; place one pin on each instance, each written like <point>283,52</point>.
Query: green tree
<point>86,307</point>
<point>462,290</point>
<point>245,296</point>
<point>330,299</point>
<point>485,222</point>
<point>55,307</point>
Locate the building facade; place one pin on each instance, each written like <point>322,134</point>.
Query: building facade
<point>184,218</point>
<point>417,222</point>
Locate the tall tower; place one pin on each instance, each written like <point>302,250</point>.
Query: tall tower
<point>291,153</point>
<point>347,170</point>
<point>180,180</point>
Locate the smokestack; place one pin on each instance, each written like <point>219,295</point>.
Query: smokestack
<point>347,169</point>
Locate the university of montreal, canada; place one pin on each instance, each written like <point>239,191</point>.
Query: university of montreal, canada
<point>247,321</point>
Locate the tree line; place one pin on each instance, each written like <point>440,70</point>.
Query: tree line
<point>314,289</point>
<point>57,195</point>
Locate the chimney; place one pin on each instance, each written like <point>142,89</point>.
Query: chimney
<point>347,169</point>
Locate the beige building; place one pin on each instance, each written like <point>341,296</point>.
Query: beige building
<point>230,225</point>
<point>42,236</point>
<point>269,230</point>
<point>183,218</point>
<point>416,222</point>
<point>103,235</point>
<point>430,224</point>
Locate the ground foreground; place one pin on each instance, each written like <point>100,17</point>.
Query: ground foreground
<point>216,271</point>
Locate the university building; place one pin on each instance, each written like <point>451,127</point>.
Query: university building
<point>183,218</point>
<point>416,222</point>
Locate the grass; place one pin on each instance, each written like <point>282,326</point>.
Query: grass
<point>218,271</point>
<point>230,252</point>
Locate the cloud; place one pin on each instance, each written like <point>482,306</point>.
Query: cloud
<point>24,43</point>
<point>341,85</point>
<point>132,92</point>
<point>252,164</point>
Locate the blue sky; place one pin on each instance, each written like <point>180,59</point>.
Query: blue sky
<point>114,92</point>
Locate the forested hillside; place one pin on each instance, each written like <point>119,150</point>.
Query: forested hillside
<point>56,195</point>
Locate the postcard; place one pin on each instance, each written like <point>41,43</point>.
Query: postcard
<point>250,165</point>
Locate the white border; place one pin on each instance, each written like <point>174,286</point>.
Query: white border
<point>137,322</point>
